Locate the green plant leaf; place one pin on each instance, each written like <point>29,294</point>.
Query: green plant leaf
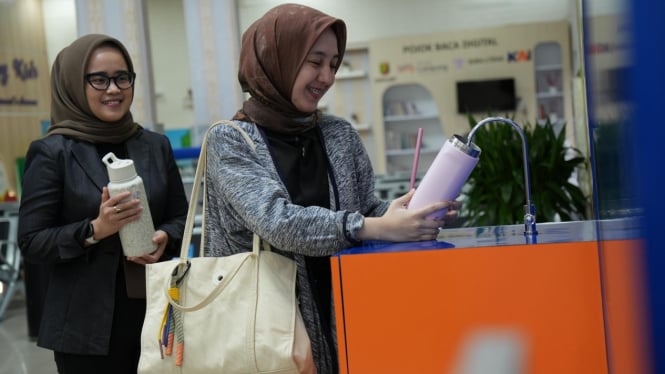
<point>495,192</point>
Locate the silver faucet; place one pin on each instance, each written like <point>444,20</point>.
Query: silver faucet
<point>530,232</point>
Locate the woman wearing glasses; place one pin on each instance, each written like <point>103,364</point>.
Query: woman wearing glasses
<point>95,302</point>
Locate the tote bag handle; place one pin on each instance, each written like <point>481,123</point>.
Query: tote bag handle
<point>189,224</point>
<point>198,180</point>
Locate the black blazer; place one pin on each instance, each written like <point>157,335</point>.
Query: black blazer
<point>62,187</point>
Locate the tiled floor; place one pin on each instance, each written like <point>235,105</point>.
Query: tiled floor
<point>18,354</point>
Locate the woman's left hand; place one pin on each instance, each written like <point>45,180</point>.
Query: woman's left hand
<point>453,211</point>
<point>160,238</point>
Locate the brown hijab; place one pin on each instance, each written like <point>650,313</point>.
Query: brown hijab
<point>70,112</point>
<point>273,49</point>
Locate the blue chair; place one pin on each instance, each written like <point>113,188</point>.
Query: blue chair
<point>10,261</point>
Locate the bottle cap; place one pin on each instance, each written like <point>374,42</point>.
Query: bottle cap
<point>119,169</point>
<point>459,142</point>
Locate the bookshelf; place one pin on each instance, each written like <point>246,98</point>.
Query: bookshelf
<point>406,108</point>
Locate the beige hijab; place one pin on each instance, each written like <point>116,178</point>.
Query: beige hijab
<point>70,112</point>
<point>273,49</point>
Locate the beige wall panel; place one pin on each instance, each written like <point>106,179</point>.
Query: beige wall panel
<point>437,61</point>
<point>24,79</point>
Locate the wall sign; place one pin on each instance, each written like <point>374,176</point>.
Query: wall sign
<point>18,81</point>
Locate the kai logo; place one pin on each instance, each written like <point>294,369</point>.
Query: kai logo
<point>384,68</point>
<point>519,56</point>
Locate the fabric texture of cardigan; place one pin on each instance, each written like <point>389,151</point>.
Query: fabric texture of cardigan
<point>245,194</point>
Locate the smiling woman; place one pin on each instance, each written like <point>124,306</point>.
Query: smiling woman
<point>317,73</point>
<point>308,186</point>
<point>109,102</point>
<point>69,221</point>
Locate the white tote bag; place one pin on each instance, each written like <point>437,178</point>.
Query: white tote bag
<point>233,314</point>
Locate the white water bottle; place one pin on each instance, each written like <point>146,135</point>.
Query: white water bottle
<point>136,236</point>
<point>444,179</point>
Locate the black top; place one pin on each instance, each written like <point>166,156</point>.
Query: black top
<point>302,164</point>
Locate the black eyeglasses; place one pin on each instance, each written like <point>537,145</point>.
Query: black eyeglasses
<point>101,81</point>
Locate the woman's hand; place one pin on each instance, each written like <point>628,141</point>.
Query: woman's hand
<point>451,213</point>
<point>115,212</point>
<point>160,238</point>
<point>400,224</point>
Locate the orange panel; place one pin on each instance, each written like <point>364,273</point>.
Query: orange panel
<point>624,302</point>
<point>412,312</point>
<point>339,315</point>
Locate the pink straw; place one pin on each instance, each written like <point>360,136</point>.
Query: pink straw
<point>416,158</point>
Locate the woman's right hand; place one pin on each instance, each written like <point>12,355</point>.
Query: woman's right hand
<point>400,224</point>
<point>115,212</point>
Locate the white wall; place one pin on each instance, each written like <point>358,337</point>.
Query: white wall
<point>168,41</point>
<point>373,19</point>
<point>59,26</point>
<point>366,20</point>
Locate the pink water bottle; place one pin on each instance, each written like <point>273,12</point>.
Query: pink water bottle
<point>449,171</point>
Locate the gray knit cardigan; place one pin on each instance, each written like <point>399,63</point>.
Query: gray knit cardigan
<point>245,194</point>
